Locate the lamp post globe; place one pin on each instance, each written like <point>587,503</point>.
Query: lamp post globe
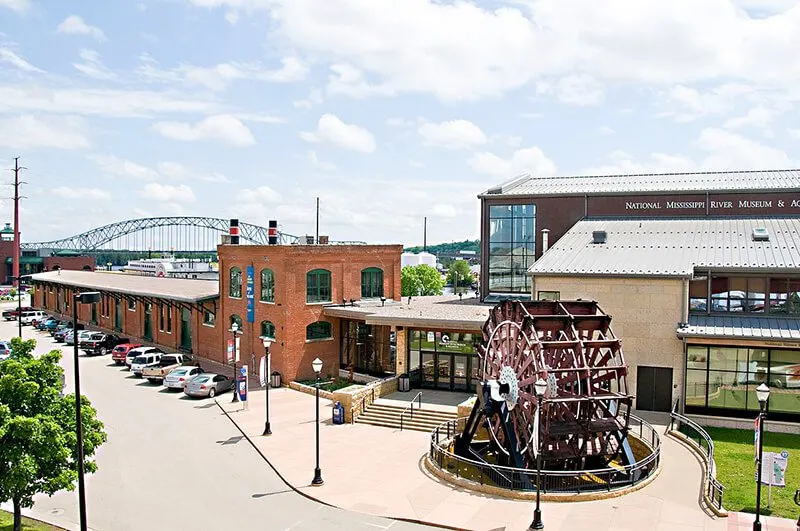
<point>317,366</point>
<point>267,341</point>
<point>762,393</point>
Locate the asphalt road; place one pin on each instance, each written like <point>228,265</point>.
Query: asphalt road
<point>176,463</point>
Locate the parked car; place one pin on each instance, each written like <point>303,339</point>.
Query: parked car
<point>53,325</point>
<point>208,384</point>
<point>29,318</point>
<point>178,378</point>
<point>156,373</point>
<point>42,325</point>
<point>120,352</point>
<point>83,335</point>
<point>5,350</point>
<point>138,351</point>
<point>11,314</point>
<point>62,325</point>
<point>61,334</point>
<point>142,361</point>
<point>102,344</point>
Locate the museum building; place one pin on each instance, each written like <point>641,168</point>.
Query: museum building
<point>699,271</point>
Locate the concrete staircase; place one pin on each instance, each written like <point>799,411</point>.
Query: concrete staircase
<point>388,416</point>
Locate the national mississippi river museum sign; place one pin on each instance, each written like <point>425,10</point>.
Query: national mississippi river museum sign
<point>695,205</point>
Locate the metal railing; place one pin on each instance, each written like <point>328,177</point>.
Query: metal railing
<point>410,409</point>
<point>557,481</point>
<point>359,408</point>
<point>712,489</point>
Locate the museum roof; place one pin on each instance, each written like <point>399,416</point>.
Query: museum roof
<point>178,289</point>
<point>673,247</point>
<point>741,327</point>
<point>445,311</point>
<point>755,180</point>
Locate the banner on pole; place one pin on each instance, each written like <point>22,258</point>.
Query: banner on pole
<point>229,353</point>
<point>250,292</point>
<point>237,349</point>
<point>755,439</point>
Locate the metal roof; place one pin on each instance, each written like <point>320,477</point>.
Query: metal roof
<point>741,326</point>
<point>761,180</point>
<point>177,289</point>
<point>673,247</point>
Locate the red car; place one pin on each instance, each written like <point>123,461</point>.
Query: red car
<point>121,351</point>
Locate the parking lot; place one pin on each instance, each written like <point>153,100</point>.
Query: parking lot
<point>175,463</point>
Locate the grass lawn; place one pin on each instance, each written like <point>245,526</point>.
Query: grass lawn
<point>733,453</point>
<point>330,385</point>
<point>7,524</point>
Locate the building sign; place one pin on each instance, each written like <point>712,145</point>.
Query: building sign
<point>713,204</point>
<point>250,292</point>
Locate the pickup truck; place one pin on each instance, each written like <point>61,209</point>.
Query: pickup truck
<point>10,315</point>
<point>120,352</point>
<point>102,344</point>
<point>156,373</point>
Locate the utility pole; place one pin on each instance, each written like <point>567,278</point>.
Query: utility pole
<point>17,182</point>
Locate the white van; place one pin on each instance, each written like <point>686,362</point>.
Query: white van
<point>142,361</point>
<point>29,317</point>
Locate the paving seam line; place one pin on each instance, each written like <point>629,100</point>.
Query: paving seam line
<point>312,498</point>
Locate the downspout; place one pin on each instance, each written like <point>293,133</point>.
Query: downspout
<point>684,319</point>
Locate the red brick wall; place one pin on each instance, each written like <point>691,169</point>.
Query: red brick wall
<point>72,263</point>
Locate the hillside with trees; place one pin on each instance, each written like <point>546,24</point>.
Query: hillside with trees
<point>448,248</point>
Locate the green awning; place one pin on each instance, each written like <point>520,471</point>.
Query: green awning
<point>26,260</point>
<point>67,252</point>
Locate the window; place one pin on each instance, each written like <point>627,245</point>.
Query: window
<point>318,286</point>
<point>745,294</point>
<point>698,294</point>
<point>132,305</point>
<point>169,319</point>
<point>371,283</point>
<point>161,317</point>
<point>235,289</point>
<point>267,285</point>
<point>318,330</point>
<point>512,247</point>
<point>209,318</point>
<point>267,329</point>
<point>236,319</point>
<point>549,296</point>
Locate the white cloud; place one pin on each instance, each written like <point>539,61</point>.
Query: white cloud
<point>123,167</point>
<point>399,122</point>
<point>327,166</point>
<point>75,25</point>
<point>168,193</point>
<point>314,98</point>
<point>69,192</point>
<point>331,130</point>
<point>346,80</point>
<point>232,17</point>
<point>20,6</point>
<point>794,133</point>
<point>606,130</point>
<point>93,67</point>
<point>759,117</point>
<point>292,70</point>
<point>221,127</point>
<point>178,172</point>
<point>727,150</point>
<point>452,134</point>
<point>531,160</point>
<point>581,90</point>
<point>29,131</point>
<point>12,58</point>
<point>441,210</point>
<point>686,104</point>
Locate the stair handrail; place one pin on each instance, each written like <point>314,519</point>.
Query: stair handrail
<point>410,408</point>
<point>362,404</point>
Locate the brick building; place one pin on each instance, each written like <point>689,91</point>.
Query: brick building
<point>37,260</point>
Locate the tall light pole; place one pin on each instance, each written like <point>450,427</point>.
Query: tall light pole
<point>317,481</point>
<point>19,304</point>
<point>234,333</point>
<point>540,386</point>
<point>87,297</point>
<point>762,393</point>
<point>267,342</point>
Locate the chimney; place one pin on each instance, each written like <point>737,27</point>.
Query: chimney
<point>323,240</point>
<point>309,240</point>
<point>272,232</point>
<point>234,232</point>
<point>545,240</point>
<point>599,236</point>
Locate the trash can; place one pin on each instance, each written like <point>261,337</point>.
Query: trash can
<point>275,379</point>
<point>338,413</point>
<point>404,383</point>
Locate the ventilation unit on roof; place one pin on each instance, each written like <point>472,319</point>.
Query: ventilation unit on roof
<point>599,236</point>
<point>760,234</point>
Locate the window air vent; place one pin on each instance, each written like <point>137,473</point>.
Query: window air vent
<point>599,236</point>
<point>760,234</point>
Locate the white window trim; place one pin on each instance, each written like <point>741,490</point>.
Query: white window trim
<point>320,340</point>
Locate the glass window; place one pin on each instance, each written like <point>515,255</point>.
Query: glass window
<point>512,247</point>
<point>696,388</point>
<point>267,285</point>
<point>784,381</point>
<point>235,288</point>
<point>697,358</point>
<point>318,286</point>
<point>236,319</point>
<point>725,390</point>
<point>169,319</point>
<point>728,359</point>
<point>549,295</point>
<point>267,329</point>
<point>161,317</point>
<point>719,294</point>
<point>698,295</point>
<point>209,318</point>
<point>737,294</point>
<point>371,283</point>
<point>132,304</point>
<point>793,297</point>
<point>756,294</point>
<point>319,330</point>
<point>778,293</point>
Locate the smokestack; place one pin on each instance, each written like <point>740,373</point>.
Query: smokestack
<point>545,240</point>
<point>234,232</point>
<point>272,232</point>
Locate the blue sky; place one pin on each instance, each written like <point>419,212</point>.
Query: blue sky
<point>388,110</point>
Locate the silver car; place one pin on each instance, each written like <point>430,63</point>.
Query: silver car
<point>208,384</point>
<point>83,335</point>
<point>178,378</point>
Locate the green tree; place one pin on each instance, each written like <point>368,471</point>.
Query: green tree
<point>420,280</point>
<point>460,269</point>
<point>38,450</point>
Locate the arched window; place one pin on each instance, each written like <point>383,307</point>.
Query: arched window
<point>371,283</point>
<point>319,330</point>
<point>267,329</point>
<point>267,285</point>
<point>236,319</point>
<point>318,285</point>
<point>235,289</point>
<point>87,268</point>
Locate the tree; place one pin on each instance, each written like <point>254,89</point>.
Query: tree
<point>420,280</point>
<point>38,450</point>
<point>461,270</point>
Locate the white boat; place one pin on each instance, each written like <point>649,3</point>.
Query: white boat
<point>171,267</point>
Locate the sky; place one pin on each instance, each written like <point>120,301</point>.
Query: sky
<point>387,110</point>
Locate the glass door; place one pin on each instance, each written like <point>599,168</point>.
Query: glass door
<point>428,369</point>
<point>444,371</point>
<point>460,372</point>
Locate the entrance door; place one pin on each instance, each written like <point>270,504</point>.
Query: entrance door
<point>460,372</point>
<point>653,388</point>
<point>148,321</point>
<point>428,369</point>
<point>186,329</point>
<point>118,315</point>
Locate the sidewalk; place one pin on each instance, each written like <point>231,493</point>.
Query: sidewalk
<point>379,471</point>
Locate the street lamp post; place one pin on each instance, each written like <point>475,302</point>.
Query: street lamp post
<point>317,481</point>
<point>87,297</point>
<point>540,386</point>
<point>762,393</point>
<point>234,333</point>
<point>267,342</point>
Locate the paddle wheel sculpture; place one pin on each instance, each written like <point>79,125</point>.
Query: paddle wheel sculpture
<point>585,410</point>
